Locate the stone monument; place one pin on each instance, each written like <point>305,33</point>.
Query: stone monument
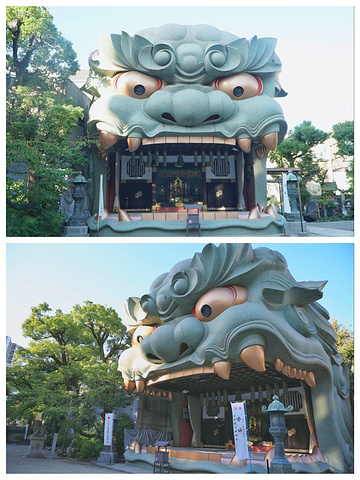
<point>37,440</point>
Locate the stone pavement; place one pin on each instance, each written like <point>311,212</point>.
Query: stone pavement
<point>17,463</point>
<point>341,228</point>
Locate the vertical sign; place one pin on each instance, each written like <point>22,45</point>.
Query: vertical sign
<point>108,431</point>
<point>285,194</point>
<point>240,430</point>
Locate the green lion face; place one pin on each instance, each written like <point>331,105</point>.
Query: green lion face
<point>232,311</point>
<point>186,84</point>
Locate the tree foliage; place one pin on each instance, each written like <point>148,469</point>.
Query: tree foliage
<point>296,151</point>
<point>344,342</point>
<point>69,371</point>
<point>344,136</point>
<point>39,145</point>
<point>37,55</point>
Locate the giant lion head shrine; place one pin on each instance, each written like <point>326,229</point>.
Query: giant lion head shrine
<point>184,115</point>
<point>232,324</point>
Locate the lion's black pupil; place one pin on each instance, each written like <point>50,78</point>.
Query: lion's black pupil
<point>238,91</point>
<point>139,89</point>
<point>206,310</point>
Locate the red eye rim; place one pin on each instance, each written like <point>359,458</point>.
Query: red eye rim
<point>258,79</point>
<point>160,82</point>
<point>260,84</point>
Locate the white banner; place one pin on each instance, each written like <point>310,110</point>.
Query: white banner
<point>101,198</point>
<point>108,430</point>
<point>285,195</point>
<point>240,430</point>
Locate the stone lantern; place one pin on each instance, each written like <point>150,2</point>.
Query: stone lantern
<point>276,410</point>
<point>293,192</point>
<point>77,223</point>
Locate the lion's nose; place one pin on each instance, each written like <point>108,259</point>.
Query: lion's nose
<point>190,107</point>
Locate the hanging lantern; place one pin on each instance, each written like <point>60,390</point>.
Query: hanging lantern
<point>268,392</point>
<point>165,158</point>
<point>285,390</point>
<point>211,159</point>
<point>226,400</point>
<point>203,159</point>
<point>179,161</point>
<point>157,158</point>
<point>149,159</point>
<point>195,158</point>
<point>252,394</point>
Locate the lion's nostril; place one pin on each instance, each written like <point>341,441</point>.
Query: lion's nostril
<point>212,118</point>
<point>152,357</point>
<point>183,348</point>
<point>168,116</point>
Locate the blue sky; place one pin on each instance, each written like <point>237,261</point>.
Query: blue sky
<point>65,274</point>
<point>315,45</point>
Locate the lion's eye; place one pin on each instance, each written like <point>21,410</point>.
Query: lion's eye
<point>214,302</point>
<point>239,86</point>
<point>136,84</point>
<point>142,332</point>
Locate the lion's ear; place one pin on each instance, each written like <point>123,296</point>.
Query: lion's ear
<point>300,295</point>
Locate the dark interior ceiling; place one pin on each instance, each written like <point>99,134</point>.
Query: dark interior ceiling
<point>242,378</point>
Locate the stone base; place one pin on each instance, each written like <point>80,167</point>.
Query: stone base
<point>36,448</point>
<point>294,228</point>
<point>281,467</point>
<point>107,457</point>
<point>34,455</point>
<point>76,231</point>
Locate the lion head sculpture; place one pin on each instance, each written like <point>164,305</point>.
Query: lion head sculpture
<point>234,305</point>
<point>180,83</point>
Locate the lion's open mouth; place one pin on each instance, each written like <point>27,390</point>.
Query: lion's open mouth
<point>225,377</point>
<point>191,144</point>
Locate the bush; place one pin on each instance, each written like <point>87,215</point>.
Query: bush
<point>89,447</point>
<point>123,421</point>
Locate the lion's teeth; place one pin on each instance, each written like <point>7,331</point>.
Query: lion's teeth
<point>222,369</point>
<point>244,144</point>
<point>278,364</point>
<point>133,143</point>
<point>254,357</point>
<point>293,372</point>
<point>286,370</point>
<point>254,214</point>
<point>140,385</point>
<point>310,379</point>
<point>129,386</point>
<point>194,140</point>
<point>270,140</point>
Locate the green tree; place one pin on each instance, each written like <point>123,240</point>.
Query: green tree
<point>69,370</point>
<point>345,345</point>
<point>38,141</point>
<point>344,136</point>
<point>36,53</point>
<point>296,151</point>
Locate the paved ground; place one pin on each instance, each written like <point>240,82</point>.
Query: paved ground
<point>17,463</point>
<point>341,228</point>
